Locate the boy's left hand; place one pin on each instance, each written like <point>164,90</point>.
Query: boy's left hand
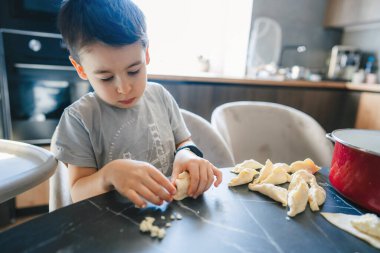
<point>201,172</point>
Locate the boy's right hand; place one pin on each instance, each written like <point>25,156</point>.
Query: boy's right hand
<point>138,181</point>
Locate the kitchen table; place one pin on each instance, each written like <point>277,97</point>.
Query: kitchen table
<point>222,220</point>
<point>23,166</point>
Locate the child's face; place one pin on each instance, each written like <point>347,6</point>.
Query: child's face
<point>117,74</point>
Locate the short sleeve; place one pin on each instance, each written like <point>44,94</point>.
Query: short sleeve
<point>177,123</point>
<point>71,142</point>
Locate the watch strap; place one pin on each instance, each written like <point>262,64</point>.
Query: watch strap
<point>192,148</point>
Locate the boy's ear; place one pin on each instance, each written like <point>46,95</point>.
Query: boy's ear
<point>147,56</point>
<point>78,68</point>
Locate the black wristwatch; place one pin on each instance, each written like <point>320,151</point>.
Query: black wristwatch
<point>192,148</point>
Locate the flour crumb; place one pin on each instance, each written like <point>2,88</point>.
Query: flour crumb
<point>172,217</point>
<point>163,218</point>
<point>168,224</point>
<point>179,216</point>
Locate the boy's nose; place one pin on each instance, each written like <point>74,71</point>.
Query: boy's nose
<point>123,88</point>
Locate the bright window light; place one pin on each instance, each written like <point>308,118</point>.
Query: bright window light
<point>192,37</point>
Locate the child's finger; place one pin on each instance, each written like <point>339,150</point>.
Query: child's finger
<point>210,177</point>
<point>157,189</point>
<point>135,198</point>
<point>202,179</point>
<point>218,175</point>
<point>174,175</point>
<point>149,195</point>
<point>163,181</point>
<point>193,169</point>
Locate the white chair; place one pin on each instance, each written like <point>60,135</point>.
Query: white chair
<point>203,134</point>
<point>262,130</point>
<point>59,190</point>
<point>208,140</point>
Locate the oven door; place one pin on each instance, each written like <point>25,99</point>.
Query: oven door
<point>38,94</point>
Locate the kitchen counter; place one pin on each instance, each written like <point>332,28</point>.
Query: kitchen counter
<point>264,82</point>
<point>222,220</point>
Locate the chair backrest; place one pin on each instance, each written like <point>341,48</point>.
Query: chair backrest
<point>208,140</point>
<point>203,134</point>
<point>262,130</point>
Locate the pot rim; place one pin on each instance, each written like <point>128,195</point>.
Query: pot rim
<point>335,138</point>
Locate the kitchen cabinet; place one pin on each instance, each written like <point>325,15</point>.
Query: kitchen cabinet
<point>368,115</point>
<point>342,13</point>
<point>332,108</point>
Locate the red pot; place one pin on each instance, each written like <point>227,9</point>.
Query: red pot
<point>355,167</point>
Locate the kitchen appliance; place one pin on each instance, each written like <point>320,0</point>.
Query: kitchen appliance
<point>355,167</point>
<point>37,83</point>
<point>31,15</point>
<point>264,46</point>
<point>344,62</point>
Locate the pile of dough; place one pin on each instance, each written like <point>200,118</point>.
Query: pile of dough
<point>182,182</point>
<point>245,176</point>
<point>147,226</point>
<point>303,187</point>
<point>366,223</point>
<point>247,164</point>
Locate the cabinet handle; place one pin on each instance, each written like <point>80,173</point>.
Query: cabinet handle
<point>43,67</point>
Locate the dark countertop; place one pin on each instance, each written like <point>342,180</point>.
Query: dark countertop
<point>222,220</point>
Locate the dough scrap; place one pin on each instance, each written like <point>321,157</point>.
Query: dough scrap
<point>343,221</point>
<point>276,193</point>
<point>368,224</point>
<point>306,164</point>
<point>245,176</point>
<point>247,164</point>
<point>182,182</point>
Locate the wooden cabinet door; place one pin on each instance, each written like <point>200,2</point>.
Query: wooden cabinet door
<point>341,13</point>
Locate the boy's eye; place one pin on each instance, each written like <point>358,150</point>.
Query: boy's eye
<point>107,79</point>
<point>133,72</point>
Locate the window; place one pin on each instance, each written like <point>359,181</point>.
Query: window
<point>185,34</point>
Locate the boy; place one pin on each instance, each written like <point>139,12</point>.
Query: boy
<point>128,134</point>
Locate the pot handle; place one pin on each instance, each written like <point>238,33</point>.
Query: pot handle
<point>330,137</point>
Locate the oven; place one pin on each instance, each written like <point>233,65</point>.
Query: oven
<point>37,84</point>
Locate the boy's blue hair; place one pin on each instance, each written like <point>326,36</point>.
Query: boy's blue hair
<point>112,22</point>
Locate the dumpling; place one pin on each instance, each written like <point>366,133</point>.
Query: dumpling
<point>307,164</point>
<point>182,182</point>
<point>317,196</point>
<point>300,175</point>
<point>274,192</point>
<point>251,164</point>
<point>297,199</point>
<point>283,165</point>
<point>368,223</point>
<point>245,176</point>
<point>278,175</point>
<point>264,172</point>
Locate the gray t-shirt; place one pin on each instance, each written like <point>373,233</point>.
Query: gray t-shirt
<point>92,133</point>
